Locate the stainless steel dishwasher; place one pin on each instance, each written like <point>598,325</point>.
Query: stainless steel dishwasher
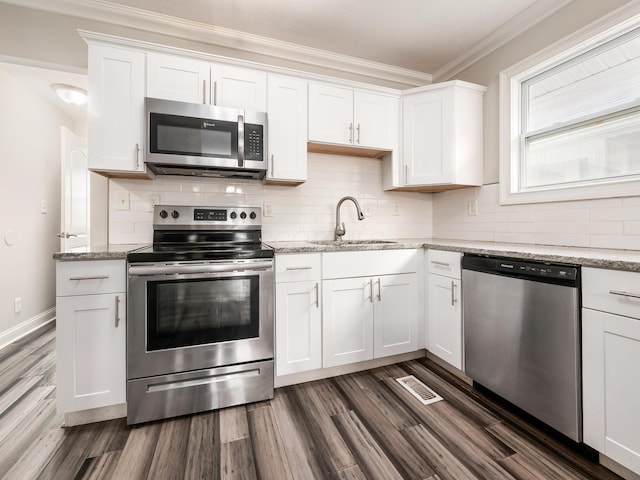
<point>521,324</point>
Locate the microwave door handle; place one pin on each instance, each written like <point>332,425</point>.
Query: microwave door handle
<point>240,141</point>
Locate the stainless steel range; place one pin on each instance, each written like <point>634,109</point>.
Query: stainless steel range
<point>199,313</point>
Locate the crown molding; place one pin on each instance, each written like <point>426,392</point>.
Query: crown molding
<point>507,32</point>
<point>103,11</point>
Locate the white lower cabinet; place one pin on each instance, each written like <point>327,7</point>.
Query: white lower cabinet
<point>366,318</point>
<point>610,355</point>
<point>370,309</point>
<point>444,320</point>
<point>298,314</point>
<point>90,335</point>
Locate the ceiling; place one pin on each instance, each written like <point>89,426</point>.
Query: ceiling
<point>420,35</point>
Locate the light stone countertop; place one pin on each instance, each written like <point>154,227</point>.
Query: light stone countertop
<point>628,260</point>
<point>98,252</point>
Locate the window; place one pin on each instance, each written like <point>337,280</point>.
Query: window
<point>571,126</point>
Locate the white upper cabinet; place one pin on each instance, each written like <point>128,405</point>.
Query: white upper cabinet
<point>344,116</point>
<point>287,130</point>
<point>116,110</point>
<point>184,79</point>
<point>442,143</point>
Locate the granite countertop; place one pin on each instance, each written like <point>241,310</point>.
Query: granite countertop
<point>587,257</point>
<point>98,252</point>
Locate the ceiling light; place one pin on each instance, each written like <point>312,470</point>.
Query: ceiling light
<point>70,94</point>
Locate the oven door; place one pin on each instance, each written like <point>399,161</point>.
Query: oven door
<point>188,316</point>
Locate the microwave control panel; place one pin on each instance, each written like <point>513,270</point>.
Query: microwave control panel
<point>253,142</point>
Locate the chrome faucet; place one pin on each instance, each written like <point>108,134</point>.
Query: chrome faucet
<point>340,230</point>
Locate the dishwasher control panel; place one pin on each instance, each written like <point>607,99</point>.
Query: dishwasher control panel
<point>538,271</point>
<point>541,269</point>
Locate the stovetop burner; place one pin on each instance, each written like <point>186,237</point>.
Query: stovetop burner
<point>183,233</point>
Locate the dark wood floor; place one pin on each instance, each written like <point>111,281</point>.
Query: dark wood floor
<point>360,426</point>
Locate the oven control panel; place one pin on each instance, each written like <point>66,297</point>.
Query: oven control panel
<point>165,216</point>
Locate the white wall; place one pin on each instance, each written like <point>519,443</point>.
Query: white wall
<point>30,164</point>
<point>305,212</point>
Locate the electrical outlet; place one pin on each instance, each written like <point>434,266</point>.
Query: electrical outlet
<point>396,209</point>
<point>44,207</point>
<point>267,211</point>
<point>367,211</point>
<point>17,305</point>
<point>472,208</point>
<point>123,201</point>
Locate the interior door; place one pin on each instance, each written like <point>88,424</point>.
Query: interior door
<point>74,222</point>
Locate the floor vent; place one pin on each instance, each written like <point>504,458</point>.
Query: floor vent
<point>419,389</point>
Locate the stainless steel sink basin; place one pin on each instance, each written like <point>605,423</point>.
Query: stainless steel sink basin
<point>352,242</point>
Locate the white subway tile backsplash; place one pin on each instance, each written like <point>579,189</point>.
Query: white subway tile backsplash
<point>599,223</point>
<point>304,212</point>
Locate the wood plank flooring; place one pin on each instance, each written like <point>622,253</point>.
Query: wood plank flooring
<point>359,426</point>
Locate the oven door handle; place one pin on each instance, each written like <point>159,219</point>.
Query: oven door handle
<point>195,269</point>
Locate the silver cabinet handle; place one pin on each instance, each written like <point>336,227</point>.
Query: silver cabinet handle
<point>137,155</point>
<point>371,290</point>
<point>215,93</point>
<point>406,174</point>
<point>204,91</point>
<point>624,294</point>
<point>453,293</point>
<point>66,235</point>
<point>358,137</point>
<point>298,268</point>
<point>96,277</point>
<point>442,264</point>
<point>351,132</point>
<point>317,295</point>
<point>379,290</point>
<point>272,165</point>
<point>117,311</point>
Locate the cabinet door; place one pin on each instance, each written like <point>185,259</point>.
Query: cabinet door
<point>427,142</point>
<point>375,120</point>
<point>347,321</point>
<point>116,109</point>
<point>287,131</point>
<point>395,314</point>
<point>90,351</point>
<point>330,114</point>
<point>610,355</point>
<point>239,88</point>
<point>176,78</point>
<point>445,319</point>
<point>298,327</point>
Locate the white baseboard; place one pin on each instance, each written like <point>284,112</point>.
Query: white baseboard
<point>26,327</point>
<point>93,415</point>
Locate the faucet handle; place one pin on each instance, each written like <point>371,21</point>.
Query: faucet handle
<point>340,231</point>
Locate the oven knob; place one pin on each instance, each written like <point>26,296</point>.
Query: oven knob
<point>243,215</point>
<point>163,214</point>
<point>233,215</point>
<point>253,215</point>
<point>175,214</point>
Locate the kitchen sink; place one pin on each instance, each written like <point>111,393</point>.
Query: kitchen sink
<point>353,242</point>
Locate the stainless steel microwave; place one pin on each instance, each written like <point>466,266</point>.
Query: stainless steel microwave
<point>204,140</point>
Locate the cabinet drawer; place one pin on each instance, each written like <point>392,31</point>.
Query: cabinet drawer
<point>445,263</point>
<point>611,291</point>
<point>368,263</point>
<point>297,267</point>
<point>90,277</point>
